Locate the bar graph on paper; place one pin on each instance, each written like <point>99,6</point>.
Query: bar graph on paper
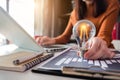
<point>71,59</point>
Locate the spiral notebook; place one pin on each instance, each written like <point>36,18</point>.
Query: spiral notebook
<point>24,53</point>
<point>7,61</point>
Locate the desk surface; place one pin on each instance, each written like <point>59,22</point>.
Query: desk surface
<point>28,75</point>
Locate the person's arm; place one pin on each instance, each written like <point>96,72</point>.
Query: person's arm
<point>107,23</point>
<point>99,45</point>
<point>66,35</point>
<point>63,38</point>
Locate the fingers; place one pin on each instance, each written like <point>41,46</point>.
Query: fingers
<point>39,39</point>
<point>100,54</point>
<point>45,40</point>
<point>98,50</point>
<point>94,46</point>
<point>112,55</point>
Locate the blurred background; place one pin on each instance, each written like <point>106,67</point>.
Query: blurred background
<point>43,17</point>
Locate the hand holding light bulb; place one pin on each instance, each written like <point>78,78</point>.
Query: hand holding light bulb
<point>93,47</point>
<point>83,32</point>
<point>98,49</point>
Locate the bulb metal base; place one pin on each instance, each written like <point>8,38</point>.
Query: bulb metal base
<point>82,52</point>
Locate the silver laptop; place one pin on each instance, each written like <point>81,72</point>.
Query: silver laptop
<point>16,34</point>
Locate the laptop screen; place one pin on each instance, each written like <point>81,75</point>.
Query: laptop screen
<point>16,34</point>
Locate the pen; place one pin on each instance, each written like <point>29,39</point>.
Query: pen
<point>25,58</point>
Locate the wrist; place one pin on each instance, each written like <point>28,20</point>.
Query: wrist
<point>53,40</point>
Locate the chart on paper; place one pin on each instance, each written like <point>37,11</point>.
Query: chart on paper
<point>70,58</point>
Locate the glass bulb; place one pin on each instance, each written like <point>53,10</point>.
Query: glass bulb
<point>83,31</point>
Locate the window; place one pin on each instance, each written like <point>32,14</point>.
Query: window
<point>3,4</point>
<point>22,12</point>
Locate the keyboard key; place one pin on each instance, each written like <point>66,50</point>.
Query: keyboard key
<point>74,60</point>
<point>60,61</point>
<point>103,64</point>
<point>113,61</point>
<point>90,61</point>
<point>96,62</point>
<point>80,60</point>
<point>108,61</point>
<point>68,61</point>
<point>118,61</point>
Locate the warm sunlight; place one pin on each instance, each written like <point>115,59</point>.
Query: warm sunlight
<point>23,12</point>
<point>3,4</point>
<point>7,49</point>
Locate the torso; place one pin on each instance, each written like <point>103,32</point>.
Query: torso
<point>96,21</point>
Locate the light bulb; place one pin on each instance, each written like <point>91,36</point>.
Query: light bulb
<point>83,31</point>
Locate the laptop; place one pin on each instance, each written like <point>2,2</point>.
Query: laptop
<point>20,38</point>
<point>16,34</point>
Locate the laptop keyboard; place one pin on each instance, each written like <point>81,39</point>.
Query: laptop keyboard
<point>102,63</point>
<point>70,58</point>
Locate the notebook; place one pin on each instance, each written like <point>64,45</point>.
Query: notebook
<point>68,63</point>
<point>24,53</point>
<point>22,61</point>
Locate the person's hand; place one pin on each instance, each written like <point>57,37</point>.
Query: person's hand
<point>98,50</point>
<point>44,40</point>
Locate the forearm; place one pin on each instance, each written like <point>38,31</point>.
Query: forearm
<point>106,28</point>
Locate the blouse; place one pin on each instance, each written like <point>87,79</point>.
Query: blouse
<point>104,23</point>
